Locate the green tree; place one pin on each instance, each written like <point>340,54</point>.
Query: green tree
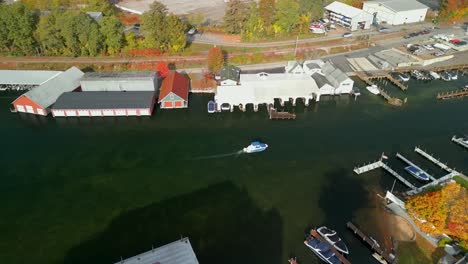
<point>313,9</point>
<point>48,36</point>
<point>254,26</point>
<point>237,13</point>
<point>112,31</point>
<point>266,11</point>
<point>287,15</point>
<point>175,30</point>
<point>215,60</point>
<point>130,41</point>
<point>18,24</point>
<point>153,26</point>
<point>104,6</point>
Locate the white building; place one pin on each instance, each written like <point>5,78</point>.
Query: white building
<point>347,16</point>
<point>396,12</point>
<point>119,81</point>
<point>294,67</point>
<point>330,80</point>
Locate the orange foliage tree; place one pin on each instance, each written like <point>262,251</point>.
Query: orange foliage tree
<point>215,59</point>
<point>453,10</point>
<point>442,212</point>
<point>162,69</point>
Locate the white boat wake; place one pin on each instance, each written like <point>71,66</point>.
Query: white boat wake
<point>236,153</point>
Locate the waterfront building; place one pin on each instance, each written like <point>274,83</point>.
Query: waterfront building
<point>264,88</point>
<point>294,67</point>
<point>230,75</point>
<point>348,17</point>
<point>329,79</point>
<point>396,12</point>
<point>177,252</point>
<point>174,91</point>
<point>97,104</point>
<point>39,100</point>
<point>119,81</point>
<point>24,80</point>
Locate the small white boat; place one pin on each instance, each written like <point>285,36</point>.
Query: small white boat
<point>453,75</point>
<point>434,75</point>
<point>403,77</point>
<point>373,89</point>
<point>445,76</point>
<point>332,237</point>
<point>255,146</point>
<point>379,258</point>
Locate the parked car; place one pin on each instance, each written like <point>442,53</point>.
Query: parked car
<point>437,54</point>
<point>407,36</point>
<point>428,47</point>
<point>384,29</point>
<point>192,31</point>
<point>425,32</point>
<point>347,35</point>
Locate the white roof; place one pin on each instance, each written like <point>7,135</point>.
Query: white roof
<point>264,88</point>
<point>178,252</point>
<point>400,5</point>
<point>344,9</point>
<point>12,77</point>
<point>47,93</point>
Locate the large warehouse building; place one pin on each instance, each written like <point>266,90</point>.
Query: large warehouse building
<point>396,12</point>
<point>97,104</point>
<point>39,100</point>
<point>119,81</point>
<point>348,17</point>
<point>24,80</point>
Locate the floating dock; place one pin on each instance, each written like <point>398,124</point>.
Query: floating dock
<point>391,100</point>
<point>387,256</point>
<point>433,160</point>
<point>380,164</point>
<point>332,248</point>
<point>461,141</point>
<point>414,165</point>
<point>453,94</point>
<point>274,114</point>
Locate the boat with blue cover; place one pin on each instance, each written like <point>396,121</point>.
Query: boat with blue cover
<point>322,250</point>
<point>255,146</point>
<point>332,237</point>
<point>417,173</point>
<point>211,107</point>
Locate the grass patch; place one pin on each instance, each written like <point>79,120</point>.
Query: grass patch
<point>410,253</point>
<point>463,182</point>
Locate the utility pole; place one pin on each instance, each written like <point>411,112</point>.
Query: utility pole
<point>295,49</point>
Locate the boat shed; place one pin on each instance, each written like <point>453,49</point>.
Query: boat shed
<point>96,104</point>
<point>119,81</point>
<point>348,16</point>
<point>24,80</point>
<point>230,75</point>
<point>396,12</point>
<point>174,91</point>
<point>178,252</point>
<point>39,100</point>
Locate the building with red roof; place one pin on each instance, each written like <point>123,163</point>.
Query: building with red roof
<point>174,91</point>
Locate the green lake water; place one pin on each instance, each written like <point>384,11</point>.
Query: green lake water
<point>94,190</point>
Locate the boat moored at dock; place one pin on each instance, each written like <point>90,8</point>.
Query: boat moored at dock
<point>417,173</point>
<point>453,75</point>
<point>332,237</point>
<point>403,77</point>
<point>373,89</point>
<point>355,91</point>
<point>211,107</point>
<point>255,146</point>
<point>322,250</point>
<point>445,76</point>
<point>434,75</point>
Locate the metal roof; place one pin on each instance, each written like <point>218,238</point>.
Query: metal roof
<point>47,93</point>
<point>178,252</point>
<point>105,100</point>
<point>106,76</point>
<point>320,79</point>
<point>12,77</point>
<point>400,5</point>
<point>334,75</point>
<point>230,73</point>
<point>95,15</point>
<point>174,83</point>
<point>344,9</point>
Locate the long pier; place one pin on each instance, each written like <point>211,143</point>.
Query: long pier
<point>414,165</point>
<point>433,160</point>
<point>332,248</point>
<point>390,78</point>
<point>453,94</point>
<point>434,183</point>
<point>388,257</point>
<point>391,100</point>
<point>380,164</point>
<point>460,141</point>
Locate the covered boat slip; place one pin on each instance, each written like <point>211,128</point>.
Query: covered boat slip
<point>26,77</point>
<point>264,88</point>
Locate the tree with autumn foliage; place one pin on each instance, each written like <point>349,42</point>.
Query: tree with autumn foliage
<point>162,69</point>
<point>453,10</point>
<point>442,212</point>
<point>215,60</point>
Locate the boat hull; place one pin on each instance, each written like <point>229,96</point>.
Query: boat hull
<point>373,90</point>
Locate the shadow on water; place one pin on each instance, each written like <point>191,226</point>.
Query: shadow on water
<point>222,221</point>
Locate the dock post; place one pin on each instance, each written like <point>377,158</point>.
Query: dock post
<point>255,107</point>
<point>231,108</point>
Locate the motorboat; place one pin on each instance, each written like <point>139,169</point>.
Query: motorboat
<point>322,250</point>
<point>434,75</point>
<point>355,91</point>
<point>332,237</point>
<point>403,77</point>
<point>453,75</point>
<point>445,76</point>
<point>417,173</point>
<point>255,146</point>
<point>417,75</point>
<point>211,107</point>
<point>426,75</point>
<point>379,258</point>
<point>373,89</point>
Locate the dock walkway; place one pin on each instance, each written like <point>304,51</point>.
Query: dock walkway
<point>388,257</point>
<point>380,164</point>
<point>414,165</point>
<point>460,141</point>
<point>433,160</point>
<point>391,100</point>
<point>274,114</point>
<point>453,94</point>
<point>434,183</point>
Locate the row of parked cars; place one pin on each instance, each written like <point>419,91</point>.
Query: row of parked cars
<point>414,34</point>
<point>437,49</point>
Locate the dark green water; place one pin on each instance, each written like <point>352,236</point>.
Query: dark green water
<point>90,191</point>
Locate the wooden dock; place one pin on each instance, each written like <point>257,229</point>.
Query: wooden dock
<point>332,248</point>
<point>368,80</point>
<point>387,256</point>
<point>274,114</point>
<point>453,94</point>
<point>414,165</point>
<point>390,78</point>
<point>459,141</point>
<point>380,164</point>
